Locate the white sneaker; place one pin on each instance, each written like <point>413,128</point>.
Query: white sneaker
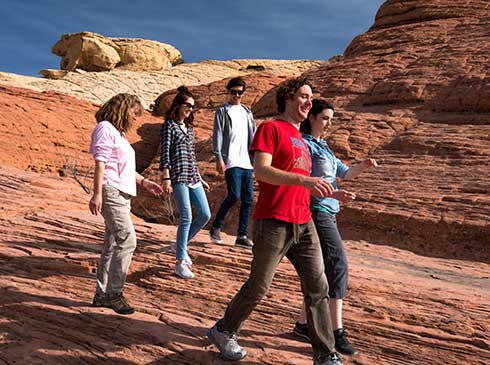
<point>226,343</point>
<point>188,261</point>
<point>182,269</point>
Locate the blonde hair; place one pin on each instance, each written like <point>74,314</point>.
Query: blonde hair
<point>117,111</point>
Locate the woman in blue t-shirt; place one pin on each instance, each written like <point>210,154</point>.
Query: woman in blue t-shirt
<point>324,210</point>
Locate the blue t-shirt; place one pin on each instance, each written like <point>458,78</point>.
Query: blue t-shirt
<point>327,166</point>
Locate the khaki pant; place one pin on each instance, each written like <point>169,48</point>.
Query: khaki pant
<point>119,241</point>
<point>274,239</point>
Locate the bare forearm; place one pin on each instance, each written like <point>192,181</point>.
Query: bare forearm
<point>274,176</point>
<point>359,168</point>
<point>354,171</point>
<point>139,179</point>
<point>98,176</point>
<point>165,174</point>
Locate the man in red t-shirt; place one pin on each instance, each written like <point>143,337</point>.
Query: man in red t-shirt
<point>283,227</point>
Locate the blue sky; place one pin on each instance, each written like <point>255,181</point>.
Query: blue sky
<point>206,29</point>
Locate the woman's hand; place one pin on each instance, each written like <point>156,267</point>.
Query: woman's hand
<point>167,187</point>
<point>205,185</point>
<point>370,162</point>
<point>343,196</point>
<point>152,187</point>
<point>95,204</point>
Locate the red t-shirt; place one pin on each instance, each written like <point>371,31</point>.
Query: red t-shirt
<point>289,203</point>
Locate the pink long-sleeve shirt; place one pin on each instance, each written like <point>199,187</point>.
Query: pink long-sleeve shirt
<point>112,148</point>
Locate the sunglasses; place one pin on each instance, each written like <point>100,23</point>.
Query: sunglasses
<point>236,92</point>
<point>189,105</point>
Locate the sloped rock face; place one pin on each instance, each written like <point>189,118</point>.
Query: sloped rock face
<point>97,87</point>
<point>413,93</point>
<point>50,245</point>
<point>50,133</point>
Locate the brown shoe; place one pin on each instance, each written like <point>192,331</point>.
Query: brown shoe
<point>243,241</point>
<point>100,301</point>
<point>119,304</point>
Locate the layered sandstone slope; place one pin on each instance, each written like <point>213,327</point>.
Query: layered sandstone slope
<point>49,248</point>
<point>97,87</point>
<point>50,133</point>
<point>413,93</point>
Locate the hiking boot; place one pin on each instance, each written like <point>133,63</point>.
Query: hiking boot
<point>342,344</point>
<point>331,359</point>
<point>100,301</point>
<point>182,269</point>
<point>214,235</point>
<point>226,344</point>
<point>119,304</point>
<point>243,241</point>
<point>301,330</point>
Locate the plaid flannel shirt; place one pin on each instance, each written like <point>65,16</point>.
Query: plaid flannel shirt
<point>177,153</point>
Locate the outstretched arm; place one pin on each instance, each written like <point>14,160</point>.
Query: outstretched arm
<point>359,168</point>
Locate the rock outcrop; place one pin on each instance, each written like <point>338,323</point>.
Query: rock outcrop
<point>50,133</point>
<point>412,92</point>
<point>93,52</point>
<point>97,87</point>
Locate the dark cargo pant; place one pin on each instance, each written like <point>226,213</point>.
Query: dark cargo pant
<point>274,239</point>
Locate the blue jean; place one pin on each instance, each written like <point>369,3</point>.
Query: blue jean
<point>240,187</point>
<point>188,228</point>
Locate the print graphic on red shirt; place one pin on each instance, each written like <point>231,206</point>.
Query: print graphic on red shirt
<point>289,203</point>
<point>301,155</point>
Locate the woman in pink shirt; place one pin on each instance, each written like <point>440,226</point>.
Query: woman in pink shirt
<point>115,180</point>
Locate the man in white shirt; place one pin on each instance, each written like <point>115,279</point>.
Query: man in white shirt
<point>233,131</point>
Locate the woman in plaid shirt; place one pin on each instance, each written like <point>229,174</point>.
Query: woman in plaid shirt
<point>180,175</point>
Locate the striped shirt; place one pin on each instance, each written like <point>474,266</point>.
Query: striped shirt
<point>177,153</point>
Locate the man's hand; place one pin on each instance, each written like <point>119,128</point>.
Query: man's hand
<point>220,167</point>
<point>318,186</point>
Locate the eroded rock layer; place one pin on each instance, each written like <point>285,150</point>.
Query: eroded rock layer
<point>413,92</point>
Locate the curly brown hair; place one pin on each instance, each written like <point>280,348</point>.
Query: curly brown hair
<point>117,111</point>
<point>287,89</point>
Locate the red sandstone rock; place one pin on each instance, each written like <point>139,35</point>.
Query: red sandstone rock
<point>402,308</point>
<point>50,133</point>
<point>411,92</point>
